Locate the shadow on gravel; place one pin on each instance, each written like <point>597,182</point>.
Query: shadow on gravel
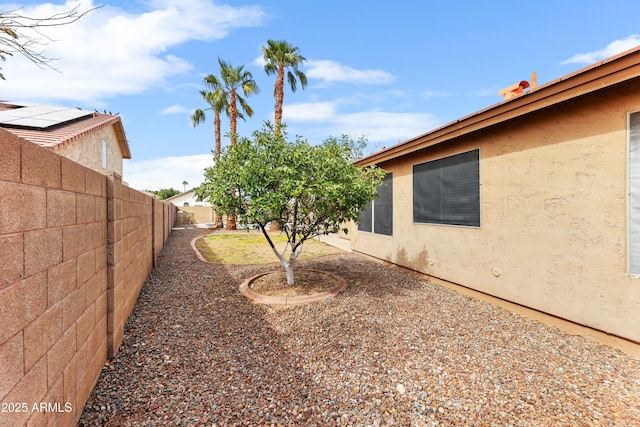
<point>196,352</point>
<point>391,349</point>
<point>365,277</point>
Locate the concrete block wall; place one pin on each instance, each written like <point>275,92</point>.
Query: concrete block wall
<point>130,256</point>
<point>163,219</point>
<point>75,249</point>
<point>168,220</point>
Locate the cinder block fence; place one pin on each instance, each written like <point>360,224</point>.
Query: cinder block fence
<point>75,249</point>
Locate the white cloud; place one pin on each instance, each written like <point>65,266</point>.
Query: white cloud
<point>331,71</point>
<point>312,111</point>
<point>376,126</point>
<point>380,126</point>
<point>613,48</point>
<point>259,61</point>
<point>166,172</point>
<point>110,51</point>
<point>174,109</point>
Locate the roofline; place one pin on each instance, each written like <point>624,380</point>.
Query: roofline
<point>122,138</point>
<point>109,120</point>
<point>180,194</point>
<point>118,128</point>
<point>611,71</point>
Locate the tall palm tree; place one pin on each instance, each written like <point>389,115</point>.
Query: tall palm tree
<point>234,79</point>
<point>280,55</point>
<point>216,97</point>
<point>223,95</point>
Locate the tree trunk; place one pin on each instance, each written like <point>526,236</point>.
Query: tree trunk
<point>218,222</point>
<point>233,116</point>
<point>217,151</point>
<point>231,222</point>
<point>279,95</point>
<point>288,266</point>
<point>218,147</point>
<point>289,270</point>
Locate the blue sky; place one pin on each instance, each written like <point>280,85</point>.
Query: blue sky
<point>384,70</point>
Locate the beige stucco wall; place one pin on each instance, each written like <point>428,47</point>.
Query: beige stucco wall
<point>195,215</point>
<point>87,150</point>
<point>553,232</point>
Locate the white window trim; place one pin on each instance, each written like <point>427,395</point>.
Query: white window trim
<point>629,210</point>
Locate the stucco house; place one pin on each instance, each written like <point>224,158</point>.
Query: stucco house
<point>94,140</point>
<point>191,209</point>
<point>534,200</point>
<point>187,198</point>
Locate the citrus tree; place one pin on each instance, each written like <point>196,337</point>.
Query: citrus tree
<point>308,190</point>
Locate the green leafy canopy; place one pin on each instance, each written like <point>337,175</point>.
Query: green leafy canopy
<point>308,190</point>
<point>165,193</point>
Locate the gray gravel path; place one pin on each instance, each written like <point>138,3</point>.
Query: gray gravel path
<point>391,349</point>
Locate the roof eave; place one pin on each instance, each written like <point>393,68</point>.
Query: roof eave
<point>617,69</point>
<point>122,139</point>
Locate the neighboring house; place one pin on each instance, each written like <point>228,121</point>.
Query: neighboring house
<point>534,200</point>
<point>191,209</point>
<point>188,198</point>
<point>92,139</point>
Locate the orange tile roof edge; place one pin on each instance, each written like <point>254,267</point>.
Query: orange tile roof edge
<point>66,133</point>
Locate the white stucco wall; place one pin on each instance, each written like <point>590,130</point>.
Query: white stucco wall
<point>187,197</point>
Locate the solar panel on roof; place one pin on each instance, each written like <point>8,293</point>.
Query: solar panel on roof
<point>39,116</point>
<point>22,104</point>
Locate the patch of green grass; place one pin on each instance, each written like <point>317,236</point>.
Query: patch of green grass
<point>253,248</point>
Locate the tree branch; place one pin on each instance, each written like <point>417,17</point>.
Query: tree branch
<point>14,40</point>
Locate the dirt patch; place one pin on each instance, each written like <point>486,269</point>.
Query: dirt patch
<point>306,283</point>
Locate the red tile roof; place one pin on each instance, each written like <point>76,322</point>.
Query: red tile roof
<point>60,135</point>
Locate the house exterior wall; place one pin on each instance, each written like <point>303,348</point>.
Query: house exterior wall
<point>553,206</point>
<point>187,197</point>
<point>87,150</point>
<point>195,215</point>
<point>75,249</point>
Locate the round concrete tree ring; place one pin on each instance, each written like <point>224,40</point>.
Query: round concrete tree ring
<point>246,291</point>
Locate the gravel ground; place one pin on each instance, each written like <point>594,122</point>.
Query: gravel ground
<point>391,349</point>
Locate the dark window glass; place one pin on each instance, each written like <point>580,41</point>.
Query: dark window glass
<point>366,219</point>
<point>447,191</point>
<point>377,217</point>
<point>383,208</point>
